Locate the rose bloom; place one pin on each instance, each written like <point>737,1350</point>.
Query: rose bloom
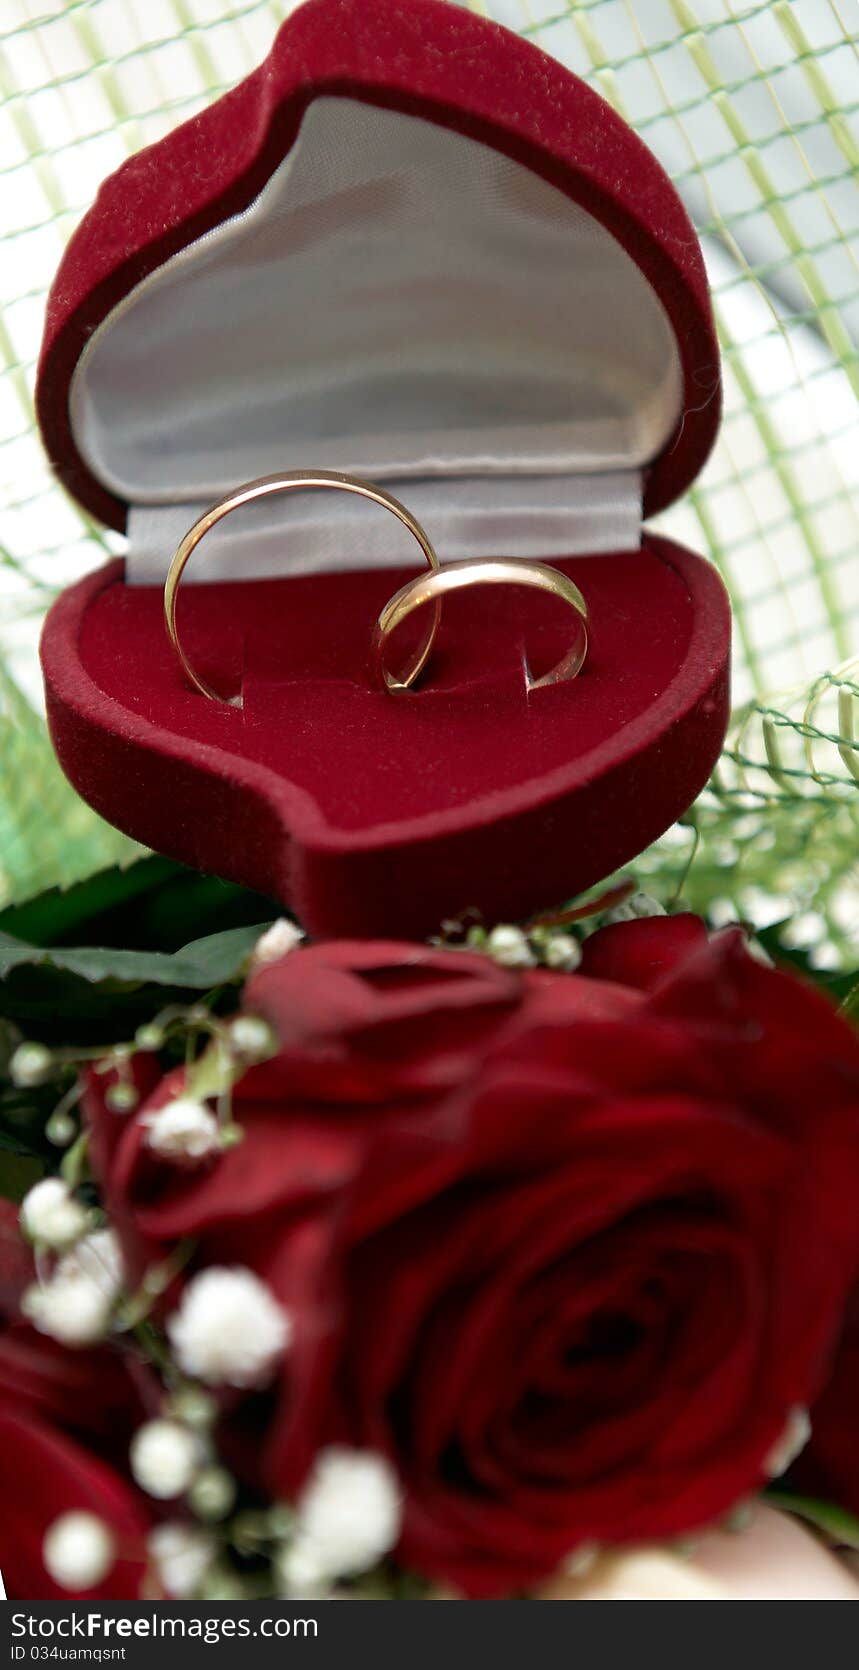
<point>570,1250</point>
<point>830,1466</point>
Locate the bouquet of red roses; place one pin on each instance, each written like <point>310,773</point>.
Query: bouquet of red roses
<point>431,1271</point>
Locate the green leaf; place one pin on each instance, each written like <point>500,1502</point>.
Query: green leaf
<point>100,994</point>
<point>211,961</point>
<point>216,959</point>
<point>60,911</point>
<point>153,904</point>
<point>836,1523</point>
<point>87,964</point>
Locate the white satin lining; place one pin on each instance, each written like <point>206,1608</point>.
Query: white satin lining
<point>310,532</point>
<point>403,303</point>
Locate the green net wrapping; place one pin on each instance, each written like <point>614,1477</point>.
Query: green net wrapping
<point>751,108</point>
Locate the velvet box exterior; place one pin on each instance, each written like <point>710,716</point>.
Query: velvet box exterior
<point>412,247</point>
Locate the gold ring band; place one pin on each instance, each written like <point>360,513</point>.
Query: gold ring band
<point>454,576</point>
<point>262,488</point>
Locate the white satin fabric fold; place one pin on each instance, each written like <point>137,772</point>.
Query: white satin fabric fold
<point>309,532</point>
<point>400,302</point>
<point>405,304</point>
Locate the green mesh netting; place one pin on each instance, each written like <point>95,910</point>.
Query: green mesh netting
<point>750,108</point>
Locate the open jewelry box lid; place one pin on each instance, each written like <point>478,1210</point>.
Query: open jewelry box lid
<point>409,246</point>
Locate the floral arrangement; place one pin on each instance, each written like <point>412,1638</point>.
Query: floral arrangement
<point>359,1269</point>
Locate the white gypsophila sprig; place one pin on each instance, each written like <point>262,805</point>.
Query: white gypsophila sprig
<point>30,1066</point>
<point>347,1518</point>
<point>282,937</point>
<point>183,1131</point>
<point>252,1038</point>
<point>229,1328</point>
<point>72,1312</point>
<point>97,1259</point>
<point>51,1216</point>
<point>164,1457</point>
<point>78,1551</point>
<point>74,1306</point>
<point>559,951</point>
<point>213,1493</point>
<point>182,1555</point>
<point>509,946</point>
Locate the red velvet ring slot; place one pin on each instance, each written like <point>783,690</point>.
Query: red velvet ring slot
<point>369,813</point>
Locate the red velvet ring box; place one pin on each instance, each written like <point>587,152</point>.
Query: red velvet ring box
<point>413,248</point>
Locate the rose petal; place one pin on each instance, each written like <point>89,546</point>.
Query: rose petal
<point>46,1475</point>
<point>642,952</point>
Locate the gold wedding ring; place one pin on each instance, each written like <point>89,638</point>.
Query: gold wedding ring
<point>263,488</point>
<point>425,589</point>
<point>493,571</point>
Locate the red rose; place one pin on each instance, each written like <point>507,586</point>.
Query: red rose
<point>830,1466</point>
<point>371,1035</point>
<point>569,1249</point>
<point>66,1417</point>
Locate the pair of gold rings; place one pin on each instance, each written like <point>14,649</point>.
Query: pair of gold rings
<point>425,589</point>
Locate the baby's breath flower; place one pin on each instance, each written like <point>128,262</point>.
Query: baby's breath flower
<point>300,1573</point>
<point>282,937</point>
<point>164,1457</point>
<point>75,1305</point>
<point>78,1551</point>
<point>31,1065</point>
<point>121,1097</point>
<point>51,1216</point>
<point>562,952</point>
<point>182,1555</point>
<point>184,1131</point>
<point>60,1129</point>
<point>98,1259</point>
<point>70,1311</point>
<point>508,946</point>
<point>150,1036</point>
<point>212,1493</point>
<point>229,1328</point>
<point>347,1517</point>
<point>193,1407</point>
<point>252,1037</point>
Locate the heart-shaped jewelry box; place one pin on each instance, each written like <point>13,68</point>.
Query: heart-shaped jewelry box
<point>411,247</point>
